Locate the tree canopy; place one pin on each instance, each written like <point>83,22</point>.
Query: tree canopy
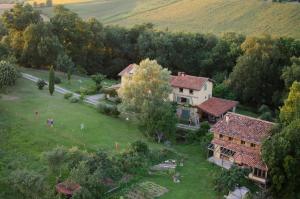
<point>291,109</point>
<point>149,83</point>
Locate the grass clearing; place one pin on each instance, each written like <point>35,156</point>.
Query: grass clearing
<point>24,137</point>
<point>253,17</point>
<point>74,85</point>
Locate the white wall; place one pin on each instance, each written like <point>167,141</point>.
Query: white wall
<point>197,97</point>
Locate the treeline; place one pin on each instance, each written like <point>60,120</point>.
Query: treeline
<point>247,69</point>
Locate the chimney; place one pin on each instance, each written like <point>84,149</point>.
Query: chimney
<point>181,74</point>
<point>227,119</point>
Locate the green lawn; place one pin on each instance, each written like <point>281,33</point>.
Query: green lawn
<point>75,83</point>
<point>208,16</point>
<point>24,137</point>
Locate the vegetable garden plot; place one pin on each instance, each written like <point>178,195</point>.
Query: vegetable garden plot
<point>146,190</point>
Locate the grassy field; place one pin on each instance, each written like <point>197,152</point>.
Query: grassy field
<point>24,137</point>
<point>250,17</point>
<point>74,85</point>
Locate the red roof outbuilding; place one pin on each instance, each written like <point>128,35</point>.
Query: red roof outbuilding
<point>217,106</point>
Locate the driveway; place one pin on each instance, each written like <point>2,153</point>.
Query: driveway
<point>93,100</point>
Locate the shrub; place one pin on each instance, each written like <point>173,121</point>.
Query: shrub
<point>74,99</point>
<point>68,95</point>
<point>40,84</point>
<point>139,147</point>
<point>108,109</point>
<point>82,97</point>
<point>57,80</point>
<point>109,91</point>
<point>8,74</point>
<point>87,91</point>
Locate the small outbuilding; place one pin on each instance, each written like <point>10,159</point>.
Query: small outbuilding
<point>214,108</point>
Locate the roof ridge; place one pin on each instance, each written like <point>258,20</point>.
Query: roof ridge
<point>253,118</point>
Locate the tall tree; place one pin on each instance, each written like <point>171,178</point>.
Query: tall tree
<point>255,79</point>
<point>145,93</point>
<point>281,153</point>
<point>148,83</point>
<point>64,63</point>
<point>20,17</point>
<point>8,74</point>
<point>51,80</point>
<point>291,73</point>
<point>41,46</point>
<point>291,109</point>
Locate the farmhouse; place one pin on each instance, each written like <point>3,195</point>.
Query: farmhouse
<point>237,140</point>
<point>194,97</point>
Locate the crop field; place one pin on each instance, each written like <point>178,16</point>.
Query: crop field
<point>207,16</point>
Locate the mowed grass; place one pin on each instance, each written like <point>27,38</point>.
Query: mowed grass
<point>24,137</point>
<point>74,84</point>
<point>253,17</point>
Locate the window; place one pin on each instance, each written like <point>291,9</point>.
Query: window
<point>259,173</point>
<point>183,100</point>
<point>220,136</point>
<point>191,91</point>
<point>181,90</point>
<point>230,138</point>
<point>243,142</point>
<point>253,145</point>
<point>205,87</point>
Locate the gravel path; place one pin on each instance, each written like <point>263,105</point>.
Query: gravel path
<point>90,99</point>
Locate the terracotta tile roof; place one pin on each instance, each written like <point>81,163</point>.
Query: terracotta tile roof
<point>243,127</point>
<point>188,81</point>
<point>243,155</point>
<point>67,188</point>
<point>217,106</point>
<point>127,70</point>
<point>180,81</point>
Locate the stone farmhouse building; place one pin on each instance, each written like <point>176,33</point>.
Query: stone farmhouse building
<point>194,97</point>
<point>237,140</point>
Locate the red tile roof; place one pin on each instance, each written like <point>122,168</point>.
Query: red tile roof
<point>243,127</point>
<point>67,188</point>
<point>243,155</point>
<point>127,70</point>
<point>217,106</point>
<point>180,81</point>
<point>188,81</point>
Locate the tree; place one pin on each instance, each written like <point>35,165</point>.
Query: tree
<point>56,158</point>
<point>158,120</point>
<point>145,93</point>
<point>41,47</point>
<point>281,153</point>
<point>8,74</point>
<point>49,3</point>
<point>64,63</point>
<point>291,73</point>
<point>255,79</point>
<point>291,109</point>
<point>20,17</point>
<point>51,80</point>
<point>98,78</point>
<point>228,180</point>
<point>149,83</point>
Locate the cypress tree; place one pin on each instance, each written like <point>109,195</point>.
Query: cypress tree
<point>51,80</point>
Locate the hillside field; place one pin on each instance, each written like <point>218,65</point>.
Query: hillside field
<point>207,16</point>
